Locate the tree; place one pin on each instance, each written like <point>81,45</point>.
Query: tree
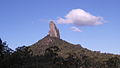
<point>52,51</point>
<point>18,59</point>
<point>1,49</point>
<point>113,62</point>
<point>72,61</point>
<point>5,53</point>
<point>51,55</point>
<point>4,50</point>
<point>23,54</point>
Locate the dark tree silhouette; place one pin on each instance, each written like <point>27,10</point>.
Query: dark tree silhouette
<point>4,50</point>
<point>1,49</point>
<point>52,51</point>
<point>113,62</point>
<point>5,53</point>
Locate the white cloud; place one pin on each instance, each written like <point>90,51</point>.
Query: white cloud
<point>80,17</point>
<point>75,29</point>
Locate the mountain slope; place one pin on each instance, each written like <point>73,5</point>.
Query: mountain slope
<point>71,52</point>
<point>66,48</point>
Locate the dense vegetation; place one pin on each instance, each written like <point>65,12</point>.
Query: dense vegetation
<point>24,57</point>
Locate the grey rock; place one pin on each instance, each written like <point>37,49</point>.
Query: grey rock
<point>54,32</point>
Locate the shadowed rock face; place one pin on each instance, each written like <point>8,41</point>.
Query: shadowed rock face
<point>54,32</point>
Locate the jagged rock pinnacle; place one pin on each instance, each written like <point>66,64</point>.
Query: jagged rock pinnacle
<point>54,32</point>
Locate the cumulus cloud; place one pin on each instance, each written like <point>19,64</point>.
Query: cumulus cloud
<point>80,17</point>
<point>75,29</point>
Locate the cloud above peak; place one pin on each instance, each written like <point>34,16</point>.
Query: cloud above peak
<point>81,18</point>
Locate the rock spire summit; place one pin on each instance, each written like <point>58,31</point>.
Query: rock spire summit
<point>54,32</point>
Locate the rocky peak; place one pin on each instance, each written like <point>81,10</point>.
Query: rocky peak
<point>54,32</point>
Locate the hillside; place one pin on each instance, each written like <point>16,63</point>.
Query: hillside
<point>52,39</point>
<point>67,48</point>
<point>53,52</point>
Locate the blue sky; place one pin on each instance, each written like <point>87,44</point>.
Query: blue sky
<point>24,22</point>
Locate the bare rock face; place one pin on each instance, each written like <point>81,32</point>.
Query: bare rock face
<point>54,32</point>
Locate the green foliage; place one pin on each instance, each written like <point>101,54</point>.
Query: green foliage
<point>23,58</point>
<point>1,49</point>
<point>113,62</point>
<point>52,51</point>
<point>4,50</point>
<point>58,54</point>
